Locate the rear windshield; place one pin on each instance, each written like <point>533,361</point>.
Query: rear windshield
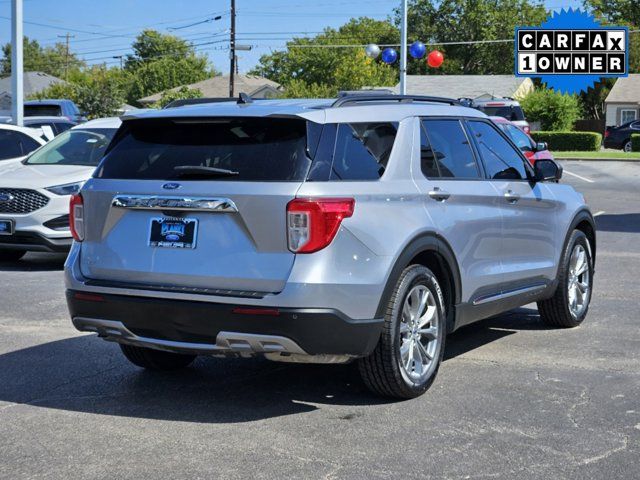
<point>247,149</point>
<point>42,111</point>
<point>511,112</point>
<point>74,147</point>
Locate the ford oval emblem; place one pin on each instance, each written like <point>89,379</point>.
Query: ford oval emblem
<point>5,197</point>
<point>171,186</point>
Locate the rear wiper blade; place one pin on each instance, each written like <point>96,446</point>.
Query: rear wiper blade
<point>187,170</point>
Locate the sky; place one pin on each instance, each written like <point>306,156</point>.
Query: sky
<point>104,29</point>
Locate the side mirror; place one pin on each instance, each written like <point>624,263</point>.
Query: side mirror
<point>547,170</point>
<point>541,146</point>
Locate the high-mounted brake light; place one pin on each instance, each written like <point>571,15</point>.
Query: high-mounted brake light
<point>313,223</point>
<point>76,217</point>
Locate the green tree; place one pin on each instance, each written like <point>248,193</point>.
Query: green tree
<point>150,45</point>
<point>592,101</point>
<point>616,11</point>
<point>467,20</point>
<point>553,110</point>
<point>180,94</point>
<point>52,60</point>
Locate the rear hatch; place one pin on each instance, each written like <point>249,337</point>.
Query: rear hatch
<point>195,204</point>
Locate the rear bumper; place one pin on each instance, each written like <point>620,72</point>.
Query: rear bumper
<point>613,143</point>
<point>35,242</point>
<point>209,328</point>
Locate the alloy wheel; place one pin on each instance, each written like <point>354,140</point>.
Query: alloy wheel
<point>579,281</point>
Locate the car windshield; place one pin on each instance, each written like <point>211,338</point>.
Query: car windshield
<point>510,112</point>
<point>74,147</point>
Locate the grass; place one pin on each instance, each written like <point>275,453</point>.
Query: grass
<point>607,155</point>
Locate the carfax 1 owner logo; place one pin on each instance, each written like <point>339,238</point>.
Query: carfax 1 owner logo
<point>571,51</point>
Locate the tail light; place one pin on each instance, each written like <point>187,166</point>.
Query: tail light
<point>607,133</point>
<point>527,129</point>
<point>313,223</point>
<point>76,217</point>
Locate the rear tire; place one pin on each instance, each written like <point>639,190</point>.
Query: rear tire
<point>11,255</point>
<point>627,146</point>
<point>155,359</point>
<point>405,362</point>
<point>570,303</point>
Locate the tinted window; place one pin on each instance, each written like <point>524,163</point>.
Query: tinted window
<point>451,155</point>
<point>501,160</point>
<point>522,141</point>
<point>259,149</point>
<point>362,150</point>
<point>511,112</point>
<point>74,147</point>
<point>9,145</point>
<point>27,143</point>
<point>42,111</point>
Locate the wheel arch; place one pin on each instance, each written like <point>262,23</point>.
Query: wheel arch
<point>583,221</point>
<point>434,252</point>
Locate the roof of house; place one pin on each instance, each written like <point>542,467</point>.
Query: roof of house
<point>34,82</point>
<point>218,86</point>
<point>625,90</point>
<point>463,86</point>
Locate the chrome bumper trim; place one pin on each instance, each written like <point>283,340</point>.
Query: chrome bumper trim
<point>183,204</point>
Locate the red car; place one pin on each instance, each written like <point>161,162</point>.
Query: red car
<point>532,150</point>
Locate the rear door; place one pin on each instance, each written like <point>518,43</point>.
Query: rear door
<point>529,210</point>
<point>196,203</point>
<point>461,204</point>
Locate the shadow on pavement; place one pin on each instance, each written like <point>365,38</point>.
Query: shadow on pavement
<point>622,222</point>
<point>35,262</point>
<point>86,374</point>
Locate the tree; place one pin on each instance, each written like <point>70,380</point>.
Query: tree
<point>180,94</point>
<point>306,60</point>
<point>592,101</point>
<point>616,11</point>
<point>151,45</point>
<point>52,60</point>
<point>467,20</point>
<point>553,110</point>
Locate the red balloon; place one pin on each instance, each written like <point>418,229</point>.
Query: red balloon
<point>435,59</point>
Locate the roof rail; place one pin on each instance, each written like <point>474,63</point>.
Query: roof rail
<point>351,99</point>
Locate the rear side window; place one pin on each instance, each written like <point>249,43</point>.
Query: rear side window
<point>510,112</point>
<point>362,150</point>
<point>501,160</point>
<point>253,149</point>
<point>446,152</point>
<point>42,111</point>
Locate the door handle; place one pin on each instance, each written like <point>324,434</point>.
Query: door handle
<point>511,196</point>
<point>438,194</point>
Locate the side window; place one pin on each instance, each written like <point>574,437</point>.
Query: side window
<point>501,160</point>
<point>27,143</point>
<point>9,145</point>
<point>519,138</point>
<point>362,150</point>
<point>451,155</point>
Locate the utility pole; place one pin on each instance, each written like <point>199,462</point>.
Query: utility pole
<point>403,50</point>
<point>121,57</point>
<point>66,56</point>
<point>232,48</point>
<point>17,47</point>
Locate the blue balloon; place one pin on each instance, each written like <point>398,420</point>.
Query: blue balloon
<point>389,55</point>
<point>417,49</point>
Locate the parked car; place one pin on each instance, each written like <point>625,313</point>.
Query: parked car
<point>35,193</point>
<point>16,142</point>
<point>54,108</point>
<point>504,107</point>
<point>620,137</point>
<point>365,228</point>
<point>530,148</point>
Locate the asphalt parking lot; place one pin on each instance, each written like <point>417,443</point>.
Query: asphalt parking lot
<point>513,398</point>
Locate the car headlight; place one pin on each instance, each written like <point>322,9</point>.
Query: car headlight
<point>66,189</point>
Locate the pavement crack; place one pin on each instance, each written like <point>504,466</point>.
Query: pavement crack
<point>608,453</point>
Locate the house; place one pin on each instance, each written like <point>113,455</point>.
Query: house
<point>468,86</point>
<point>33,83</point>
<point>218,87</point>
<point>622,105</point>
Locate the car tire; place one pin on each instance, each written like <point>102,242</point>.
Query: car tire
<point>155,359</point>
<point>411,335</point>
<point>570,303</point>
<point>627,147</point>
<point>11,255</point>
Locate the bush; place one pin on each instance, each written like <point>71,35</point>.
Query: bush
<point>570,141</point>
<point>553,110</point>
<point>635,142</point>
<point>183,93</point>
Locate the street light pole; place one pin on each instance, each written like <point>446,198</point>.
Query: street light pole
<point>232,48</point>
<point>403,50</point>
<point>17,97</point>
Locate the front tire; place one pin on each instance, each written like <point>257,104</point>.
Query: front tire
<point>11,255</point>
<point>570,303</point>
<point>405,362</point>
<point>155,359</point>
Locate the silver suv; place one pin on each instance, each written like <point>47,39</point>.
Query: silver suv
<point>364,229</point>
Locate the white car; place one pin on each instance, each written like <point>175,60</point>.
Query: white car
<point>16,142</point>
<point>35,192</point>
